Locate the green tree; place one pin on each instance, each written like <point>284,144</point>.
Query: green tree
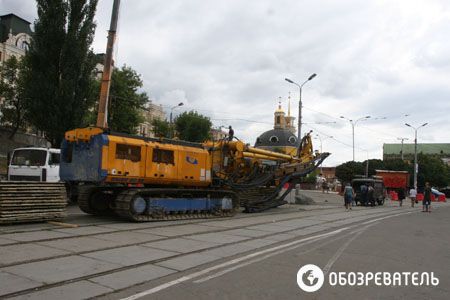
<point>11,109</point>
<point>58,80</point>
<point>311,177</point>
<point>374,164</point>
<point>347,171</point>
<point>192,126</point>
<point>397,165</point>
<point>126,101</point>
<point>161,128</point>
<point>433,170</point>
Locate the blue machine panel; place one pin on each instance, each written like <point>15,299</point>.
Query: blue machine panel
<point>82,161</point>
<point>185,204</point>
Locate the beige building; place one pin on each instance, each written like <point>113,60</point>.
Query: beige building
<point>15,36</point>
<point>150,113</point>
<point>218,134</point>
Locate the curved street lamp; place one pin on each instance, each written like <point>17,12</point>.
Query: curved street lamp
<point>353,129</point>
<point>320,139</point>
<point>300,102</point>
<point>171,111</point>
<point>416,167</point>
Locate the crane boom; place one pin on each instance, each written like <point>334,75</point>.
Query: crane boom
<point>102,116</point>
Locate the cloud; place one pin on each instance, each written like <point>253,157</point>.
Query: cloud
<point>228,60</point>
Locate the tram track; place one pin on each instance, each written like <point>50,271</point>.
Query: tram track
<point>87,277</point>
<point>218,230</point>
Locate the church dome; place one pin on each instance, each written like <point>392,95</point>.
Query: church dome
<point>277,138</point>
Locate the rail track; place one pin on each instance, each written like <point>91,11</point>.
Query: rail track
<point>281,217</point>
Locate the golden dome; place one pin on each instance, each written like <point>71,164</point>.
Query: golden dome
<point>279,109</point>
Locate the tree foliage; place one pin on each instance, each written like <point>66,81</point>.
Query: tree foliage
<point>126,102</point>
<point>347,171</point>
<point>192,126</point>
<point>12,107</point>
<point>161,128</point>
<point>58,80</point>
<point>431,169</point>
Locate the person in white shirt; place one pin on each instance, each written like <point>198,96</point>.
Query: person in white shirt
<point>412,196</point>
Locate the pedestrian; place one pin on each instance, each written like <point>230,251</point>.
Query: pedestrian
<point>363,189</point>
<point>349,194</point>
<point>324,186</point>
<point>412,196</point>
<point>426,203</point>
<point>370,195</point>
<point>230,133</point>
<point>401,196</point>
<point>319,181</point>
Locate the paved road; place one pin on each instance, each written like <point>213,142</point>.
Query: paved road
<point>411,242</point>
<point>244,257</point>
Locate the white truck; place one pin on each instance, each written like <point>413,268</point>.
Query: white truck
<point>34,164</point>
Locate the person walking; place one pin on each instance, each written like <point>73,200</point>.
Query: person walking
<point>370,198</point>
<point>364,190</point>
<point>426,203</point>
<point>401,196</point>
<point>349,194</point>
<point>324,185</point>
<point>412,196</point>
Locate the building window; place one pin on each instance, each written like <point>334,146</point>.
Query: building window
<point>163,156</point>
<point>278,120</point>
<point>292,139</point>
<point>273,139</point>
<point>128,152</point>
<point>24,46</point>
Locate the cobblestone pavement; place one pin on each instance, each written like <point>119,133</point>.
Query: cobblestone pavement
<point>103,256</point>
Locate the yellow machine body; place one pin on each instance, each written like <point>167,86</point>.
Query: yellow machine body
<point>127,159</point>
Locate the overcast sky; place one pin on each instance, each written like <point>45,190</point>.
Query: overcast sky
<point>228,60</point>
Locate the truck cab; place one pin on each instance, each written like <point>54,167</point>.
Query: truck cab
<point>34,164</point>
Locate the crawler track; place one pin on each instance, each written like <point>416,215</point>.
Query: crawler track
<point>122,202</point>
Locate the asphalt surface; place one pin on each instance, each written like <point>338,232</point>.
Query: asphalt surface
<point>245,257</point>
<point>411,242</point>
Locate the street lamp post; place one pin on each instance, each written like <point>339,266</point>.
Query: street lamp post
<point>171,112</point>
<point>353,129</point>
<point>320,139</point>
<point>367,164</point>
<point>402,139</point>
<point>300,102</point>
<point>415,152</point>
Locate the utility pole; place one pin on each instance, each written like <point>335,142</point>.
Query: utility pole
<point>353,123</point>
<point>320,139</point>
<point>300,86</point>
<point>102,117</point>
<point>171,112</point>
<point>402,139</point>
<point>416,167</point>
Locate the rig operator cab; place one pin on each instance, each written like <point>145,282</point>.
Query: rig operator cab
<point>34,164</point>
<point>377,195</point>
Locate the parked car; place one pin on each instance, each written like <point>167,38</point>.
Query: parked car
<point>436,192</point>
<point>446,191</point>
<point>379,191</point>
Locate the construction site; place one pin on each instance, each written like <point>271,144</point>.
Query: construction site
<point>111,214</point>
